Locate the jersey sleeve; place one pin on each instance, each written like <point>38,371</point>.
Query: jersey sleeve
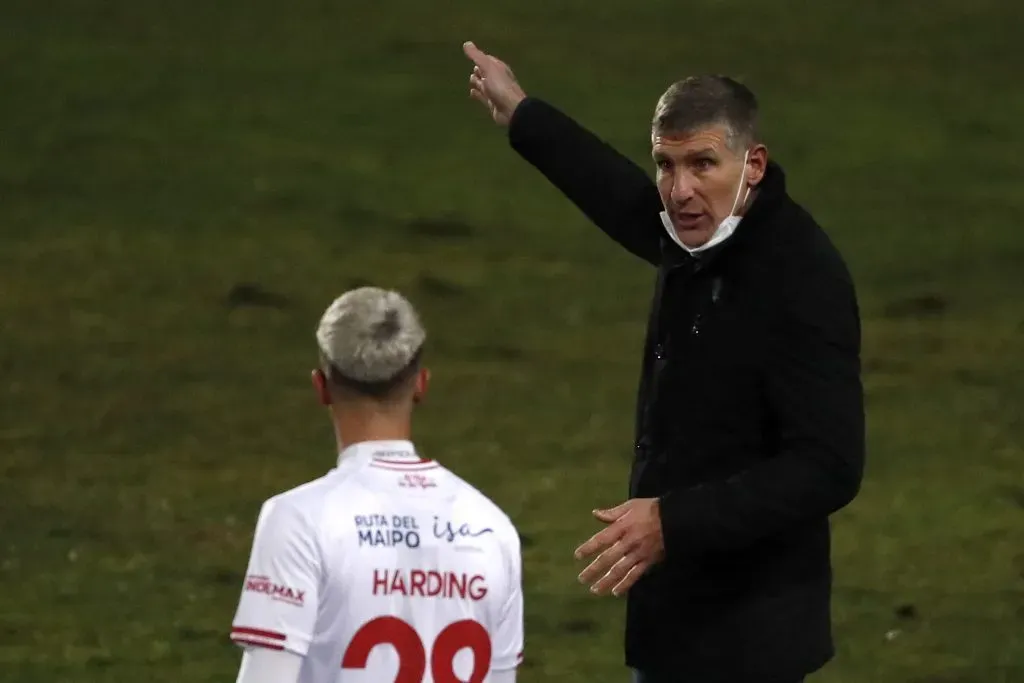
<point>260,665</point>
<point>507,641</point>
<point>278,606</point>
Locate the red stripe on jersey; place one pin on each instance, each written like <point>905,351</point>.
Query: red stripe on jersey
<point>258,643</point>
<point>245,630</point>
<point>405,466</point>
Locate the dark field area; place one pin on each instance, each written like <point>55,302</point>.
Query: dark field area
<point>184,187</point>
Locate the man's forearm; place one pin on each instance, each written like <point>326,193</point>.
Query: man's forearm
<point>781,493</point>
<point>612,191</point>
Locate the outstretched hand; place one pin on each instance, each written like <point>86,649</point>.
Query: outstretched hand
<point>628,546</point>
<point>493,84</point>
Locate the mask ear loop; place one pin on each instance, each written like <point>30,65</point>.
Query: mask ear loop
<point>743,176</point>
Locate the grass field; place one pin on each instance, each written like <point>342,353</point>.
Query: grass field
<point>185,186</point>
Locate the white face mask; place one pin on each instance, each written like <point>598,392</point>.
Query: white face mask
<point>728,225</point>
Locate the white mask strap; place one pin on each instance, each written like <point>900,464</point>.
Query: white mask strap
<point>743,176</point>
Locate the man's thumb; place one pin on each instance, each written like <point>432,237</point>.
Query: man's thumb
<point>611,514</point>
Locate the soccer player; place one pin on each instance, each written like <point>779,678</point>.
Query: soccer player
<point>389,567</point>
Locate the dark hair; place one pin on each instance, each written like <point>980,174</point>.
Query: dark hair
<point>380,390</point>
<point>699,101</point>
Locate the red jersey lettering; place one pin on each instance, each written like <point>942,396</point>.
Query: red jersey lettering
<point>429,584</point>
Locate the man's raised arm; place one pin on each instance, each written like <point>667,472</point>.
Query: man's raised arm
<point>611,190</point>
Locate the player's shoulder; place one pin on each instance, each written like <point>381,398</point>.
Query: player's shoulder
<point>303,503</point>
<point>303,493</point>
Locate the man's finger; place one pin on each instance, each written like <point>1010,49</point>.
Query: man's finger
<point>475,54</point>
<point>615,575</point>
<point>603,564</point>
<point>476,82</point>
<point>598,542</point>
<point>479,97</point>
<point>631,577</point>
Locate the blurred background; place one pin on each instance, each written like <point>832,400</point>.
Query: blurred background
<point>185,186</point>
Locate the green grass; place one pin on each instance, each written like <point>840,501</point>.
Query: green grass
<point>155,155</point>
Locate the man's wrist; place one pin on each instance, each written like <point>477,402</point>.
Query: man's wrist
<point>517,110</point>
<point>669,505</point>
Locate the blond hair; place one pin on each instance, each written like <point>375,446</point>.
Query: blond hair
<point>370,336</point>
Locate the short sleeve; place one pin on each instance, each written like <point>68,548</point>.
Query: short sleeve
<point>260,665</point>
<point>507,640</point>
<point>278,605</point>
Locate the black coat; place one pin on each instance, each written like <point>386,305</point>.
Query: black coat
<point>750,417</point>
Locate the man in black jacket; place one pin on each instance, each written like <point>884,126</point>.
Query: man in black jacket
<point>750,414</point>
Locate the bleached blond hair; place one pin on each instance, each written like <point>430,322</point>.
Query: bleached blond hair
<point>370,335</point>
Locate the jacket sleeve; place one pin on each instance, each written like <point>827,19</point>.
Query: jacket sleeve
<point>813,388</point>
<point>612,191</point>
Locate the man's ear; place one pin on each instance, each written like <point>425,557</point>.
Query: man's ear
<point>323,394</point>
<point>758,163</point>
<point>422,382</point>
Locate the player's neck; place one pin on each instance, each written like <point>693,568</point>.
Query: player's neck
<point>358,427</point>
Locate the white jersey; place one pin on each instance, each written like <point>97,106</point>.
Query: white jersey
<point>387,568</point>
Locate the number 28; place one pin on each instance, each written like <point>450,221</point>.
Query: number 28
<point>412,655</point>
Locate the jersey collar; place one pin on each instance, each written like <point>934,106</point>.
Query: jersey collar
<point>398,450</point>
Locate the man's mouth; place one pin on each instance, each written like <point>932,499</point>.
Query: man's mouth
<point>686,220</point>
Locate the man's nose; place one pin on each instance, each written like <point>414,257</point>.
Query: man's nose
<point>682,188</point>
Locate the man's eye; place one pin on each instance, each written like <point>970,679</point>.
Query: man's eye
<point>664,164</point>
<point>704,164</point>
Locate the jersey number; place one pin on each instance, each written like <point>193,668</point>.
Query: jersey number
<point>412,654</point>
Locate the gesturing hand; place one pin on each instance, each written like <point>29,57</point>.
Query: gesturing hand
<point>493,84</point>
<point>629,546</point>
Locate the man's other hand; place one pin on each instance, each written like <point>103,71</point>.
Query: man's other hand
<point>628,546</point>
<point>493,84</point>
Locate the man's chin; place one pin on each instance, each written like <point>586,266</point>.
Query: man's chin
<point>693,237</point>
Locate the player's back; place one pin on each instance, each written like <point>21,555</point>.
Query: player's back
<point>419,574</point>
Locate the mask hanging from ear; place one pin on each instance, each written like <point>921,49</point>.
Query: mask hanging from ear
<point>728,225</point>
